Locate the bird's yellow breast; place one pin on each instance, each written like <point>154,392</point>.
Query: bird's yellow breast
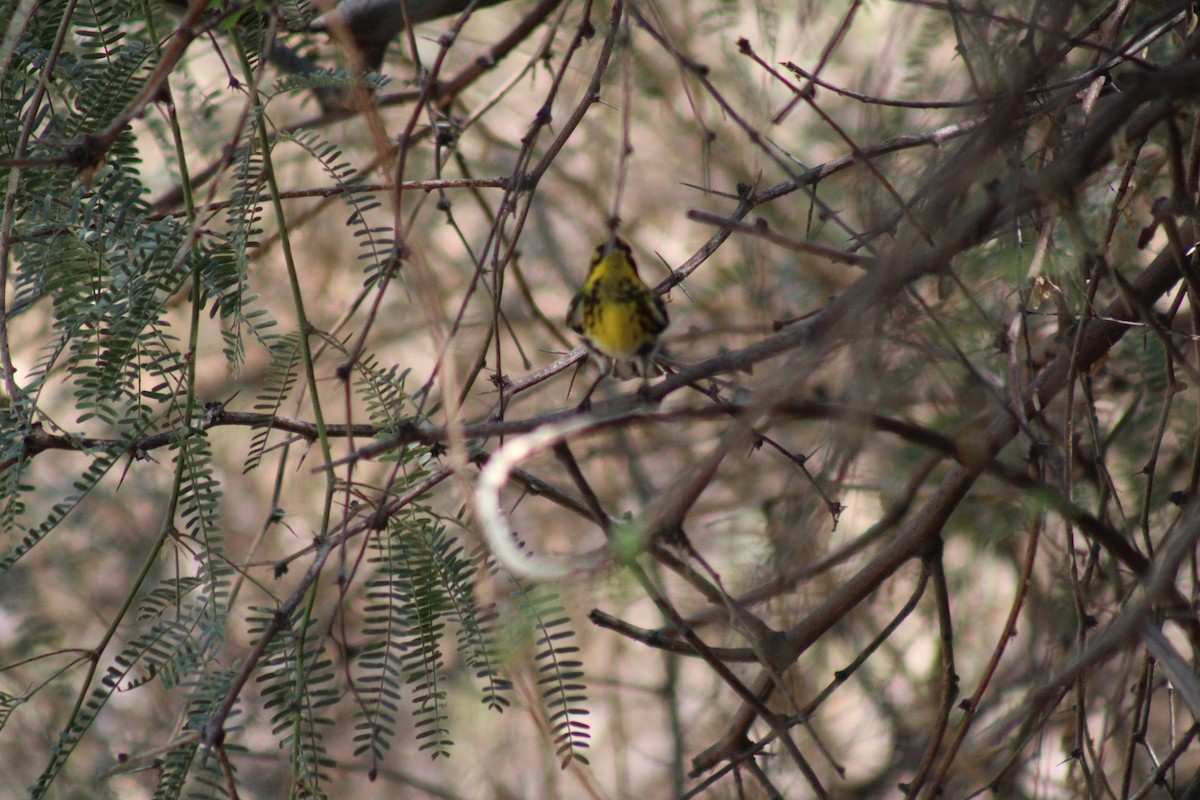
<point>615,312</point>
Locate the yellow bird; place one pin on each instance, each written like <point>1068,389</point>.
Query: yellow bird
<point>619,317</point>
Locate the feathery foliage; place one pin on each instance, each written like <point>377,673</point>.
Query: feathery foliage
<point>921,442</point>
<point>295,679</point>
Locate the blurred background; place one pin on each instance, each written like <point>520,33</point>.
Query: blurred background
<point>919,470</point>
